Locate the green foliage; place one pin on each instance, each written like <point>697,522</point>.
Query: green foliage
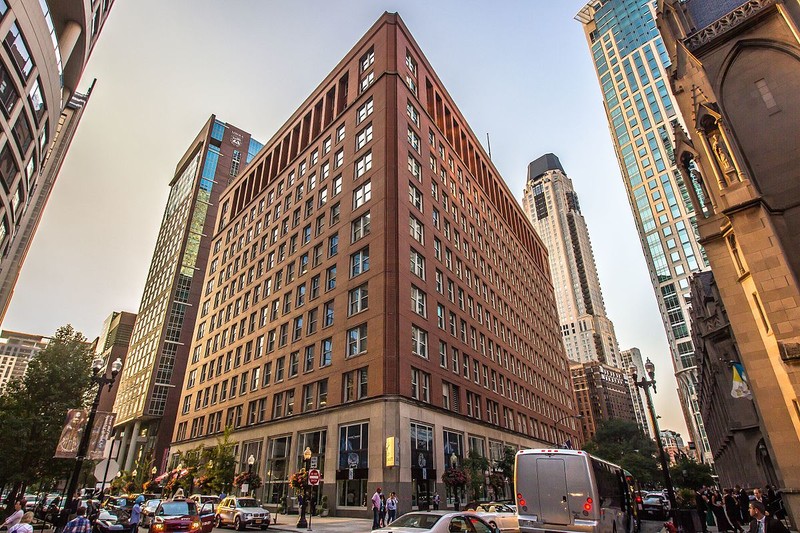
<point>32,409</point>
<point>505,465</point>
<point>220,463</point>
<point>690,474</point>
<point>623,443</point>
<point>475,466</point>
<point>685,498</point>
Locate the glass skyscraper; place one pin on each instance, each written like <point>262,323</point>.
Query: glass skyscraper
<point>630,60</point>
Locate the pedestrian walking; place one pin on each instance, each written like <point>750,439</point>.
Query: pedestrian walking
<point>732,510</point>
<point>24,525</point>
<point>744,504</point>
<point>79,524</point>
<point>391,508</point>
<point>718,508</point>
<point>383,511</point>
<point>376,508</point>
<point>761,522</point>
<point>14,518</point>
<point>436,501</point>
<point>701,504</point>
<point>136,514</point>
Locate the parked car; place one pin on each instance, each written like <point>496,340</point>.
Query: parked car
<point>241,513</point>
<point>655,506</point>
<point>108,522</point>
<point>148,510</point>
<point>176,515</point>
<point>440,522</point>
<point>208,512</point>
<point>498,515</point>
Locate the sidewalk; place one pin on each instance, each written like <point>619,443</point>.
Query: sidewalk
<point>328,524</point>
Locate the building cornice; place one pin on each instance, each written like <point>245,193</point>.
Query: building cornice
<point>725,24</point>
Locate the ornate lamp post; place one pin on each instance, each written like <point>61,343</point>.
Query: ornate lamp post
<point>303,523</point>
<point>83,448</point>
<point>646,384</point>
<point>250,462</point>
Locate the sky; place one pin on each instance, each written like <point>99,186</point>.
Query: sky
<point>519,71</point>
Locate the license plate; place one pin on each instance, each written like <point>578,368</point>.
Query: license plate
<point>257,521</point>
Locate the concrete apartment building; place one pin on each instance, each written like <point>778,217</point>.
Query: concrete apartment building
<point>114,342</point>
<point>149,385</point>
<point>46,45</point>
<point>16,350</point>
<point>551,204</point>
<point>741,455</point>
<point>735,72</point>
<point>630,60</point>
<point>602,393</point>
<point>390,345</point>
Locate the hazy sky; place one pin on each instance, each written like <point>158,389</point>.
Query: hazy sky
<point>519,71</point>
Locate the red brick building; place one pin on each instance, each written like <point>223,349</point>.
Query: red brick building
<point>374,293</point>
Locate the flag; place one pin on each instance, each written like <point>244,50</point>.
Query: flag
<point>740,388</point>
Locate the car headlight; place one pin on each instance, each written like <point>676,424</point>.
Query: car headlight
<point>196,525</point>
<point>248,515</point>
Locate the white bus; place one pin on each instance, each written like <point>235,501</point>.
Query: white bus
<point>571,491</point>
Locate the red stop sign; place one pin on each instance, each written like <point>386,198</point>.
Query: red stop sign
<point>313,477</point>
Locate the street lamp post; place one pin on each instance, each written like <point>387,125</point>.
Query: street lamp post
<point>250,462</point>
<point>83,447</point>
<point>303,523</point>
<point>646,384</point>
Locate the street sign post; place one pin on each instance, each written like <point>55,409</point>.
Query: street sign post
<point>313,477</point>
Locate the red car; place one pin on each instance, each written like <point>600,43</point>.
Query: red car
<point>173,516</point>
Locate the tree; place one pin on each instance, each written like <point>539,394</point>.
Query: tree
<point>622,442</point>
<point>220,463</point>
<point>690,474</point>
<point>476,466</point>
<point>505,467</point>
<point>32,409</point>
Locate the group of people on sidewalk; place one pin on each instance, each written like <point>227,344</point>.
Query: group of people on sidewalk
<point>384,510</point>
<point>733,509</point>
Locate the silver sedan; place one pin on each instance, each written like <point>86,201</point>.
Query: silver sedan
<point>440,522</point>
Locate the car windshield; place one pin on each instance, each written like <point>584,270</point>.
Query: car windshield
<point>653,499</point>
<point>246,502</point>
<point>177,508</point>
<point>415,520</point>
<point>152,504</point>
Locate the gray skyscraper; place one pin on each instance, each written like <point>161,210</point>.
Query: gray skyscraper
<point>631,361</point>
<point>551,205</point>
<point>630,60</point>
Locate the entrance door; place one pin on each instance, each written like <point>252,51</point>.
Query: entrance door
<point>553,495</point>
<point>423,494</point>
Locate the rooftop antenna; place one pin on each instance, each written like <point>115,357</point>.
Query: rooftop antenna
<point>489,145</point>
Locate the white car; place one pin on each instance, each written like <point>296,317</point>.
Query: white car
<point>440,522</point>
<point>241,513</point>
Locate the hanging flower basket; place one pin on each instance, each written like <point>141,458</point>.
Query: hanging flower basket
<point>497,480</point>
<point>252,480</point>
<point>202,482</point>
<point>454,477</point>
<point>298,480</point>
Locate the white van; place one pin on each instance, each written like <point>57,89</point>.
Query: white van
<point>569,490</point>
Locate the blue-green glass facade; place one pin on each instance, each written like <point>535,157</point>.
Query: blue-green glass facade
<point>630,60</point>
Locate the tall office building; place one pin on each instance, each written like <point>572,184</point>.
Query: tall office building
<point>16,351</point>
<point>630,60</point>
<point>113,344</point>
<point>736,77</point>
<point>552,206</point>
<point>631,363</point>
<point>46,47</point>
<point>149,386</point>
<point>390,345</point>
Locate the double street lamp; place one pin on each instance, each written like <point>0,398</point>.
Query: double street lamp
<point>646,384</point>
<point>456,488</point>
<point>303,523</point>
<point>83,448</point>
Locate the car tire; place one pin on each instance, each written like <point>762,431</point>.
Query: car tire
<point>217,521</point>
<point>237,524</point>
<point>493,524</point>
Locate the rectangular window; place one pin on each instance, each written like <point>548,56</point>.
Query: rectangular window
<point>417,264</point>
<point>359,262</point>
<point>420,385</point>
<point>325,352</point>
<point>363,164</point>
<point>414,167</point>
<point>327,314</point>
<point>416,229</point>
<point>363,137</point>
<point>360,227</point>
<point>362,195</point>
<point>414,196</point>
<point>364,111</point>
<point>358,300</point>
<point>419,342</point>
<point>357,340</point>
